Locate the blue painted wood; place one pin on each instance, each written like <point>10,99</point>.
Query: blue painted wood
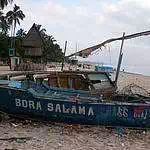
<point>41,103</point>
<point>65,91</point>
<point>104,68</point>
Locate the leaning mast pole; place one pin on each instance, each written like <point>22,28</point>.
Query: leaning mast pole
<point>89,50</point>
<point>119,61</point>
<point>64,56</point>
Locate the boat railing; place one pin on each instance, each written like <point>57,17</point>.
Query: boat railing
<point>50,94</point>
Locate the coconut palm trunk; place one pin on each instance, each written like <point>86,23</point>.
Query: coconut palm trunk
<point>13,40</point>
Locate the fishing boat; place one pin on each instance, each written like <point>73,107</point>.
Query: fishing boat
<point>75,97</point>
<point>34,100</point>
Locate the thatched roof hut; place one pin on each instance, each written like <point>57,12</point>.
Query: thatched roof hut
<point>33,42</point>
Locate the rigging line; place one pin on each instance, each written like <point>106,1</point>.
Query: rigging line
<point>109,50</point>
<point>76,50</point>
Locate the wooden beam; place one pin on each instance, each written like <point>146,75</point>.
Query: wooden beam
<point>95,47</point>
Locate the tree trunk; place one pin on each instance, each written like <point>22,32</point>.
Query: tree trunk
<point>11,45</point>
<point>14,37</point>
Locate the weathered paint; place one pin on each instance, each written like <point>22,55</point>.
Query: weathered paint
<point>113,114</point>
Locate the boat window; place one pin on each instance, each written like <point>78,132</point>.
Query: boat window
<point>102,85</point>
<point>101,77</point>
<point>80,83</point>
<point>99,81</point>
<point>73,81</point>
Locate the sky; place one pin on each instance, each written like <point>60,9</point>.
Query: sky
<point>89,22</point>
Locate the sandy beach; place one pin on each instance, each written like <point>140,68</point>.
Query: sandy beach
<point>58,136</point>
<point>36,135</point>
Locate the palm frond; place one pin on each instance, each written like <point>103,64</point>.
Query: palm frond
<point>19,14</point>
<point>9,13</point>
<point>4,3</point>
<point>16,8</point>
<point>1,13</point>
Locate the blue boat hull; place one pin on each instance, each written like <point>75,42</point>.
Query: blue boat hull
<point>22,102</point>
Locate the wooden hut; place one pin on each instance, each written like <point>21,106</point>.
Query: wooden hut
<point>33,43</point>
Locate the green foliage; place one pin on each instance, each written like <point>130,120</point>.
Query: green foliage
<point>21,33</point>
<point>11,19</point>
<point>4,25</point>
<point>14,18</point>
<point>19,42</point>
<point>4,45</point>
<point>4,3</point>
<point>51,50</point>
<point>52,53</point>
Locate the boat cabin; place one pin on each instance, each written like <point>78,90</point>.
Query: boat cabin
<point>95,82</point>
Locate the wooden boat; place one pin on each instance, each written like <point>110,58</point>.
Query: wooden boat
<point>38,101</point>
<point>74,97</point>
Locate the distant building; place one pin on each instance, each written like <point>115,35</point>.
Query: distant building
<point>33,43</point>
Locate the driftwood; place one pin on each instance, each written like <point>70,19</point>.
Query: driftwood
<point>86,52</point>
<point>10,149</point>
<point>15,138</point>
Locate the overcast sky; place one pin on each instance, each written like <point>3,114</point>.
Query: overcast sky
<point>89,22</point>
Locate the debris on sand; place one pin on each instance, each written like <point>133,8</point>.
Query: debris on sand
<point>26,134</point>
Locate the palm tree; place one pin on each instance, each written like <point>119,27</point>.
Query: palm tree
<point>50,40</point>
<point>4,25</point>
<point>49,50</point>
<point>42,33</point>
<point>21,33</point>
<point>4,3</point>
<point>14,18</point>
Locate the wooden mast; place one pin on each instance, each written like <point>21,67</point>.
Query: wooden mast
<point>119,61</point>
<point>64,56</point>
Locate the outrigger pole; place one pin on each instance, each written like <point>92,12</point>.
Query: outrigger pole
<point>86,52</point>
<point>119,61</point>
